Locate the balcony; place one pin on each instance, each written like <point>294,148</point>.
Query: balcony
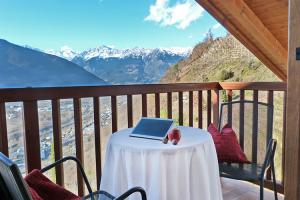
<point>45,121</point>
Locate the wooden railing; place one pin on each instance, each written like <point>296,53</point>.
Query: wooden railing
<point>30,97</point>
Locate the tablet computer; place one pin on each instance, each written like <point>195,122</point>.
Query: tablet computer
<point>152,128</point>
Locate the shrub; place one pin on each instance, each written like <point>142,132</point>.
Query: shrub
<point>225,75</point>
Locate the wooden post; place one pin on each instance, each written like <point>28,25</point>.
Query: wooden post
<point>97,128</point>
<point>292,151</point>
<point>32,135</point>
<point>78,142</point>
<point>215,99</point>
<point>57,140</point>
<point>3,130</point>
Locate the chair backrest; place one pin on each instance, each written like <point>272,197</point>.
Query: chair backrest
<point>253,123</point>
<point>12,184</point>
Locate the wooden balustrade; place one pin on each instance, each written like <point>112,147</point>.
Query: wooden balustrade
<point>30,97</point>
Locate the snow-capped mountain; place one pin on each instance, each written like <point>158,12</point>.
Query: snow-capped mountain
<point>110,52</point>
<point>64,52</point>
<point>125,66</point>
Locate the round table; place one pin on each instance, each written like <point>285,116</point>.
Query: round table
<point>187,171</point>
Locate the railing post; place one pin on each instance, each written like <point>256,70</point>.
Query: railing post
<point>144,105</point>
<point>215,101</point>
<point>114,114</point>
<point>200,107</point>
<point>255,126</point>
<point>57,140</point>
<point>157,105</point>
<point>180,108</point>
<point>242,119</point>
<point>78,142</point>
<point>229,111</point>
<point>32,136</point>
<point>191,108</point>
<point>129,111</point>
<point>97,128</point>
<point>169,96</point>
<point>3,130</point>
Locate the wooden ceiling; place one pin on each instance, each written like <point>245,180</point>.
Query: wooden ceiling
<point>261,25</point>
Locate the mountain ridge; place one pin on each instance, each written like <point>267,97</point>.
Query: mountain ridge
<point>25,67</point>
<point>125,66</point>
<point>110,52</point>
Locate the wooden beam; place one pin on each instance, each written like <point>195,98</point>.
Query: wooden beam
<point>237,17</point>
<point>292,151</point>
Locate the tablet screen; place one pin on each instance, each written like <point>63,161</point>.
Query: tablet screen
<point>155,128</point>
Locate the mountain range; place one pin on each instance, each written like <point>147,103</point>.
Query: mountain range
<point>25,67</point>
<point>125,66</point>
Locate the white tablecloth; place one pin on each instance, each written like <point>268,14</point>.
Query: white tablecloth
<point>187,171</point>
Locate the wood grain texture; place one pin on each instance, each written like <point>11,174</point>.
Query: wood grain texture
<point>292,151</point>
<point>261,86</point>
<point>247,26</point>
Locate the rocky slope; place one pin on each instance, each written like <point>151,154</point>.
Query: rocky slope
<point>220,59</point>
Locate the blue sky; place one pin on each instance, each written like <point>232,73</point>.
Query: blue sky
<point>83,24</point>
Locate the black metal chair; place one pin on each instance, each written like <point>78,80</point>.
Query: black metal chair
<point>256,170</point>
<point>13,186</point>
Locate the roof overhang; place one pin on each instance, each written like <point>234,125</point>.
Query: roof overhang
<point>262,26</point>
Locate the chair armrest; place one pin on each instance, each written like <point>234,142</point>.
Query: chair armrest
<point>78,165</point>
<point>131,191</point>
<point>269,157</point>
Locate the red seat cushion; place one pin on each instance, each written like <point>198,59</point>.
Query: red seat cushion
<point>227,145</point>
<point>43,188</point>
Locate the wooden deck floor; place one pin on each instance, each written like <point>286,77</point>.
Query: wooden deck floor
<point>239,190</point>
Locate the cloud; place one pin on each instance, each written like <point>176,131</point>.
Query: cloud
<point>181,14</point>
<point>216,26</point>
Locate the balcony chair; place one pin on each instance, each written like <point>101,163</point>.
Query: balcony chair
<point>260,162</point>
<point>14,187</point>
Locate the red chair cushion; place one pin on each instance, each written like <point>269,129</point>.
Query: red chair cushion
<point>43,188</point>
<point>34,194</point>
<point>227,145</point>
